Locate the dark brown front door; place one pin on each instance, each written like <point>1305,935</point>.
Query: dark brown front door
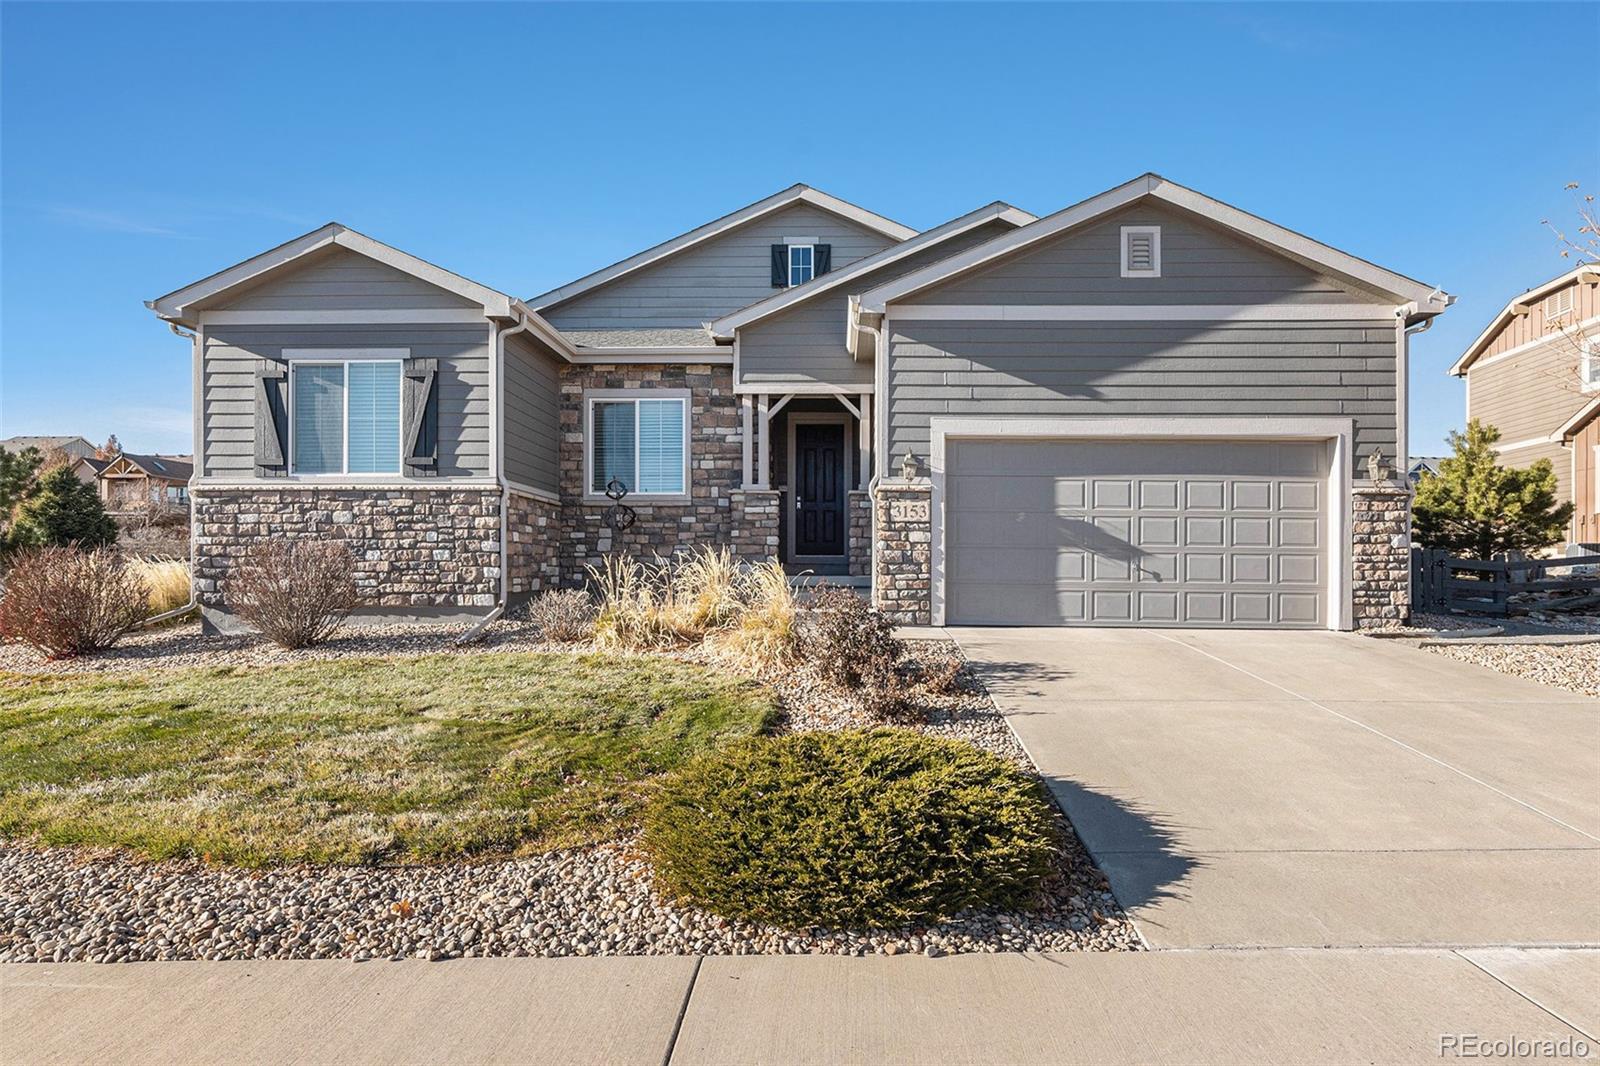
<point>819,491</point>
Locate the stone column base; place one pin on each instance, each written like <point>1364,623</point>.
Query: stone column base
<point>904,541</point>
<point>1380,534</point>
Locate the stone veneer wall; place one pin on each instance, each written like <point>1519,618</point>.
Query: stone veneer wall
<point>533,558</point>
<point>755,524</point>
<point>1381,539</point>
<point>904,579</point>
<point>414,546</point>
<point>716,468</point>
<point>859,532</point>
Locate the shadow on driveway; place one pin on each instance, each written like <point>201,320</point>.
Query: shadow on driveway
<point>1135,848</point>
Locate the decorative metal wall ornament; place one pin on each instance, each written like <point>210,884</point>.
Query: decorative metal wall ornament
<point>618,516</point>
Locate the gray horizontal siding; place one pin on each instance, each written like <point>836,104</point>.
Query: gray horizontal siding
<point>228,386</point>
<point>721,275</point>
<point>1199,264</point>
<point>343,280</point>
<point>806,344</point>
<point>532,415</point>
<point>1169,368</point>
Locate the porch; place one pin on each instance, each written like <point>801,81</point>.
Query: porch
<point>813,449</point>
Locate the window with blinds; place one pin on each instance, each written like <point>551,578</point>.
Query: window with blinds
<point>1141,251</point>
<point>345,417</point>
<point>640,443</point>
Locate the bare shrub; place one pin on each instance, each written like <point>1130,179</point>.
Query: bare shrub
<point>67,602</point>
<point>563,614</point>
<point>854,648</point>
<point>296,592</point>
<point>941,670</point>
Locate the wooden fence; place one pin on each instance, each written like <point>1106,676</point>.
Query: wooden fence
<point>1442,583</point>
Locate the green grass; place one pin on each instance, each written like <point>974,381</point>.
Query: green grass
<point>400,760</point>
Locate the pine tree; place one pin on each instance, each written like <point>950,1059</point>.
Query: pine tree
<point>63,510</point>
<point>1476,508</point>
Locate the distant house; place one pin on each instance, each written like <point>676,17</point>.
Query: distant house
<point>131,482</point>
<point>1532,373</point>
<point>1423,464</point>
<point>88,468</point>
<point>73,447</point>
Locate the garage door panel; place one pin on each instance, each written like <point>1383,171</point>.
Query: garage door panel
<point>1074,532</point>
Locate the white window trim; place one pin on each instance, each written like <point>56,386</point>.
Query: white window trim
<point>591,397</point>
<point>342,357</point>
<point>1587,378</point>
<point>1155,250</point>
<point>791,249</point>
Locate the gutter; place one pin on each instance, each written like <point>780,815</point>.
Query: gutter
<point>498,445</point>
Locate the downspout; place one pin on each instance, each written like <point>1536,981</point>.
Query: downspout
<point>879,414</point>
<point>499,448</point>
<point>176,612</point>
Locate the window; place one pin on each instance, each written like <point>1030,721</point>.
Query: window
<point>1141,251</point>
<point>802,264</point>
<point>1589,367</point>
<point>177,494</point>
<point>344,417</point>
<point>640,441</point>
<point>1558,304</point>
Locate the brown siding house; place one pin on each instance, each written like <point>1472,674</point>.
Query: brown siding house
<point>1530,371</point>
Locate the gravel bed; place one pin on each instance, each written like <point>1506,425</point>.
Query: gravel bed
<point>1574,667</point>
<point>1423,624</point>
<point>183,645</point>
<point>72,904</point>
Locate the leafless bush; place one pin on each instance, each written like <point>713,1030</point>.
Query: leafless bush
<point>563,614</point>
<point>296,592</point>
<point>853,647</point>
<point>66,602</point>
<point>941,671</point>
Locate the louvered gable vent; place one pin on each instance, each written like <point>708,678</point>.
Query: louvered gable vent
<point>1141,251</point>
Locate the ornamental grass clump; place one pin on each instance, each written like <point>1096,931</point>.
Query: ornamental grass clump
<point>704,594</point>
<point>66,602</point>
<point>168,580</point>
<point>859,829</point>
<point>296,592</point>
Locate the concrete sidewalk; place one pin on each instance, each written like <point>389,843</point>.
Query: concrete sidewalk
<point>1173,1006</point>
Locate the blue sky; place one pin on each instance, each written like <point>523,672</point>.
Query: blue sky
<point>145,146</point>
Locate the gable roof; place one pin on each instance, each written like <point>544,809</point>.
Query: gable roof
<point>1574,425</point>
<point>1430,300</point>
<point>177,306</point>
<point>44,444</point>
<point>725,326</point>
<point>750,212</point>
<point>92,463</point>
<point>1514,307</point>
<point>165,467</point>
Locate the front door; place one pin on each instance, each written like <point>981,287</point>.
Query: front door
<point>819,492</point>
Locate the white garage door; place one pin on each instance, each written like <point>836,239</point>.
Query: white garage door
<point>1136,533</point>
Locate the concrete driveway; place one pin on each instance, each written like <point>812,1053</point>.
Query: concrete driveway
<point>1311,789</point>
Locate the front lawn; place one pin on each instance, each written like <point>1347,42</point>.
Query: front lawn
<point>359,760</point>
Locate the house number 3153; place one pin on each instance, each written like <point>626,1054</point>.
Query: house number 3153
<point>908,510</point>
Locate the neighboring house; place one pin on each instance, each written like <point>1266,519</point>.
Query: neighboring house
<point>88,468</point>
<point>71,447</point>
<point>1149,408</point>
<point>1423,464</point>
<point>1534,367</point>
<point>1580,437</point>
<point>130,482</point>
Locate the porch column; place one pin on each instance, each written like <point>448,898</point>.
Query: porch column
<point>748,442</point>
<point>763,472</point>
<point>864,426</point>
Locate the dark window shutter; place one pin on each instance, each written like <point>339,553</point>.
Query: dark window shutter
<point>272,418</point>
<point>780,266</point>
<point>822,258</point>
<point>419,414</point>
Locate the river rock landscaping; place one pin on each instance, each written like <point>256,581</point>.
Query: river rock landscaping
<point>89,901</point>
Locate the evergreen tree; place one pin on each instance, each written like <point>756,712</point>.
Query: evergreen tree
<point>64,510</point>
<point>1476,508</point>
<point>17,473</point>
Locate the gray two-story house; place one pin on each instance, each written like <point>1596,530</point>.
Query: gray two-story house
<point>1149,408</point>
